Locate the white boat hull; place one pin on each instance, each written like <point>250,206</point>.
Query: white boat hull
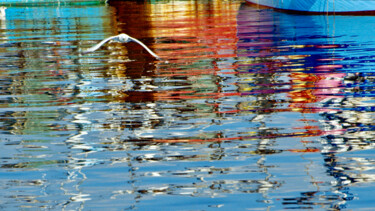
<point>320,6</point>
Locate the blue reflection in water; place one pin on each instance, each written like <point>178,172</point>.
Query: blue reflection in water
<point>328,62</point>
<point>254,109</point>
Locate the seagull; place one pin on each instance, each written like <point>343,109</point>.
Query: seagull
<point>124,38</point>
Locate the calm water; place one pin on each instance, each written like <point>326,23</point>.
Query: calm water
<point>250,109</point>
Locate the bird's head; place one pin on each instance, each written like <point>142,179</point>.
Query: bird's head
<point>124,38</point>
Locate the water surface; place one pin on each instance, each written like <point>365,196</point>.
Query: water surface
<point>249,108</point>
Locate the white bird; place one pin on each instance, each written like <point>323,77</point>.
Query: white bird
<point>124,38</point>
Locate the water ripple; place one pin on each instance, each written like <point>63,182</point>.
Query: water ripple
<point>247,103</point>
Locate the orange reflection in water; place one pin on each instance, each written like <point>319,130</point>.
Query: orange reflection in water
<point>192,29</point>
<point>191,36</point>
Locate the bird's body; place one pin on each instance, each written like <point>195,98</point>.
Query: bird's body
<point>124,38</point>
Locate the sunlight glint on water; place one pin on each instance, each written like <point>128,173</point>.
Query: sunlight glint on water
<point>249,108</point>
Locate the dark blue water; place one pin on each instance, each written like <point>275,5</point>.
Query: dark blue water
<point>249,109</point>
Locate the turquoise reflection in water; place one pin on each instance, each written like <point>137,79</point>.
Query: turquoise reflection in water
<point>253,110</point>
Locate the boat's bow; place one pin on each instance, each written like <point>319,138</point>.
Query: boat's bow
<point>320,6</point>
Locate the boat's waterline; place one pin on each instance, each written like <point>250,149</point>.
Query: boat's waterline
<point>320,6</point>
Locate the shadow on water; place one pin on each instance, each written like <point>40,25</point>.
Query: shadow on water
<point>253,109</point>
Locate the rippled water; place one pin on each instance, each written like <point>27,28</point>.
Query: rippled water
<point>249,108</point>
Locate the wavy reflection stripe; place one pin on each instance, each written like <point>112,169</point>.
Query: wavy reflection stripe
<point>310,133</point>
<point>214,72</point>
<point>307,150</point>
<point>299,109</point>
<point>329,66</point>
<point>169,95</point>
<point>270,136</point>
<point>307,127</point>
<point>216,45</point>
<point>195,55</point>
<point>198,49</point>
<point>174,70</point>
<point>195,140</point>
<point>197,72</point>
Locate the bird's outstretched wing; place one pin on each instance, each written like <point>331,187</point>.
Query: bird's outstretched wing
<point>97,46</point>
<point>121,38</point>
<point>145,47</point>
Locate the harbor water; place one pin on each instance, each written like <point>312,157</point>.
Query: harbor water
<point>247,109</point>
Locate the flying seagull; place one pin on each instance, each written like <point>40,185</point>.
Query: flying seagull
<point>124,38</point>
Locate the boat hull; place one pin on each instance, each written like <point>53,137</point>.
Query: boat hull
<point>320,6</point>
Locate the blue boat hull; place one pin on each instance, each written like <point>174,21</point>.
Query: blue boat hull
<point>320,6</point>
